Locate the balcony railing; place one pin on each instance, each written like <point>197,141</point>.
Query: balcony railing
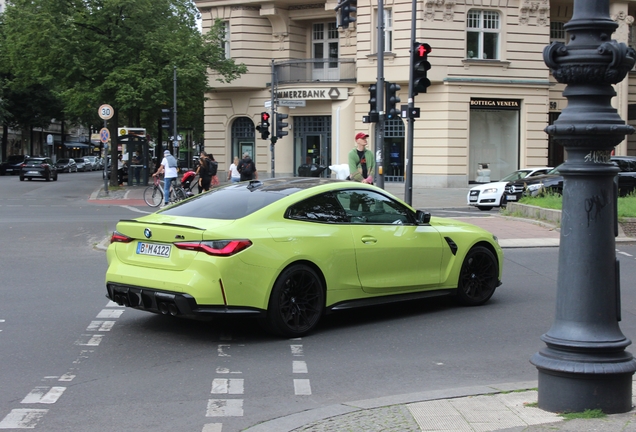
<point>315,70</point>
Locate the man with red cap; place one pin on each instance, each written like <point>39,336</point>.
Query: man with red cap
<point>361,161</point>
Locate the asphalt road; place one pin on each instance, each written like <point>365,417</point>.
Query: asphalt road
<point>70,360</point>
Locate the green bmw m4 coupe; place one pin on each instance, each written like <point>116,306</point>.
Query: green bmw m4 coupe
<point>289,250</point>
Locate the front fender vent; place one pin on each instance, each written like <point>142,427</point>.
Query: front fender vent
<point>452,245</point>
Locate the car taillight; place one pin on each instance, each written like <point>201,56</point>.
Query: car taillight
<point>118,237</point>
<point>216,247</point>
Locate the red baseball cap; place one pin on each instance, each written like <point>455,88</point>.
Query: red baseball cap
<point>361,135</point>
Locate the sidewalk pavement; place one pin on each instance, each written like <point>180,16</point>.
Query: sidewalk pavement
<point>510,407</point>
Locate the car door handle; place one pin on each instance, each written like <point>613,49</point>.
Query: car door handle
<point>369,239</point>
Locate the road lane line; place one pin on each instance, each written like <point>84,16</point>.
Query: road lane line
<point>302,387</point>
<point>44,395</point>
<point>225,408</point>
<point>110,313</point>
<point>22,418</point>
<point>299,366</point>
<point>297,350</point>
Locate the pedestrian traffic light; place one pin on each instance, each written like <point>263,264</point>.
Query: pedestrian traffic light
<point>420,65</point>
<point>280,125</point>
<point>391,100</point>
<point>263,126</point>
<point>347,7</point>
<point>373,104</point>
<point>166,118</point>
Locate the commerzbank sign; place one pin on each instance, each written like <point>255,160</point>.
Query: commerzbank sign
<point>322,93</point>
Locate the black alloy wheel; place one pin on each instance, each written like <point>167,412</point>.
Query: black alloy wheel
<point>478,277</point>
<point>297,302</point>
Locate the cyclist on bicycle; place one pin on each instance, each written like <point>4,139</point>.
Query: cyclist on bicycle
<point>169,168</point>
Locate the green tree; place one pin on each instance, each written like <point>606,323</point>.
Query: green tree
<point>120,52</point>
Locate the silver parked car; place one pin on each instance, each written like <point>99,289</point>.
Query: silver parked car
<point>94,162</point>
<point>83,164</point>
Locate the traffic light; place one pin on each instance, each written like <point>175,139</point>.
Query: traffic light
<point>420,65</point>
<point>166,118</point>
<point>373,104</point>
<point>391,100</point>
<point>346,8</point>
<point>280,125</point>
<point>263,126</point>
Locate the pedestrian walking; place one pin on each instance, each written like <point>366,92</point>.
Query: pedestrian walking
<point>203,171</point>
<point>232,174</point>
<point>247,168</point>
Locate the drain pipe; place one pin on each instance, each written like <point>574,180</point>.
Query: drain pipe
<point>337,136</point>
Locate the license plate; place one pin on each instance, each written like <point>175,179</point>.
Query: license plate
<point>511,197</point>
<point>153,249</point>
<point>33,172</point>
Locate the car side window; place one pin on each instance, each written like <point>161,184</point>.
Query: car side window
<point>320,208</point>
<point>365,206</point>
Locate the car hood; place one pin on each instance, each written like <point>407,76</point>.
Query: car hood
<point>482,187</point>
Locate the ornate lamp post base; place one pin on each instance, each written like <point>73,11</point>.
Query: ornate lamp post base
<point>585,365</point>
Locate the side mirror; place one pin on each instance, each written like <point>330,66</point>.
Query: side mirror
<point>422,217</point>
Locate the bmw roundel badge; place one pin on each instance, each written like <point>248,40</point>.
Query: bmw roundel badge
<point>148,233</point>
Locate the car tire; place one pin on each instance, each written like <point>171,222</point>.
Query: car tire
<point>484,208</point>
<point>21,178</point>
<point>297,302</point>
<point>48,177</point>
<point>478,277</point>
<point>55,177</point>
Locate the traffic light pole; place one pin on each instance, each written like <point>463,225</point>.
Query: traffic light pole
<point>379,142</point>
<point>408,172</point>
<point>273,86</point>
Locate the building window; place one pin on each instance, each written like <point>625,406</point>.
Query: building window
<point>388,30</point>
<point>325,44</point>
<point>557,32</point>
<point>226,39</point>
<point>482,36</point>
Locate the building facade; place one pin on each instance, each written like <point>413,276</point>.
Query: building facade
<point>491,94</point>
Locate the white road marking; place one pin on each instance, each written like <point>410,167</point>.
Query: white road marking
<point>299,366</point>
<point>110,313</point>
<point>212,427</point>
<point>22,418</point>
<point>89,340</point>
<point>66,377</point>
<point>100,326</point>
<point>227,386</point>
<point>222,370</point>
<point>221,351</point>
<point>83,355</point>
<point>112,304</point>
<point>302,387</point>
<point>44,395</point>
<point>625,253</point>
<point>225,408</point>
<point>297,350</point>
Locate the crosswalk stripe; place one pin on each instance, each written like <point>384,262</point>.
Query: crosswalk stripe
<point>22,418</point>
<point>224,408</point>
<point>44,395</point>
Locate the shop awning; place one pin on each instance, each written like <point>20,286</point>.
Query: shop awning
<point>75,145</point>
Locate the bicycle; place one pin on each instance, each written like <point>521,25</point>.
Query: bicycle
<point>153,195</point>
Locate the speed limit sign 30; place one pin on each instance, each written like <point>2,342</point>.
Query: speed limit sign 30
<point>106,112</point>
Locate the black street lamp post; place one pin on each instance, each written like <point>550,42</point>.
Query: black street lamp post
<point>585,365</point>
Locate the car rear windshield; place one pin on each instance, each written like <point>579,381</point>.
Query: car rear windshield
<point>34,161</point>
<point>228,203</point>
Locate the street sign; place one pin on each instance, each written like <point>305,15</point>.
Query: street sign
<point>292,103</point>
<point>49,139</point>
<point>268,104</point>
<point>104,135</point>
<point>105,112</point>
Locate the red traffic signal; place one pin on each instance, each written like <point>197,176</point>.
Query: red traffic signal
<point>264,117</point>
<point>420,67</point>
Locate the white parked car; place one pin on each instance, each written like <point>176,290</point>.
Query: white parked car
<point>486,196</point>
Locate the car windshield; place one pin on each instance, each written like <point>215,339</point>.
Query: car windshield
<point>517,175</point>
<point>555,171</point>
<point>228,203</point>
<point>62,161</point>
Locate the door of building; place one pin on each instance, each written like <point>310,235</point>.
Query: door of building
<point>312,142</point>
